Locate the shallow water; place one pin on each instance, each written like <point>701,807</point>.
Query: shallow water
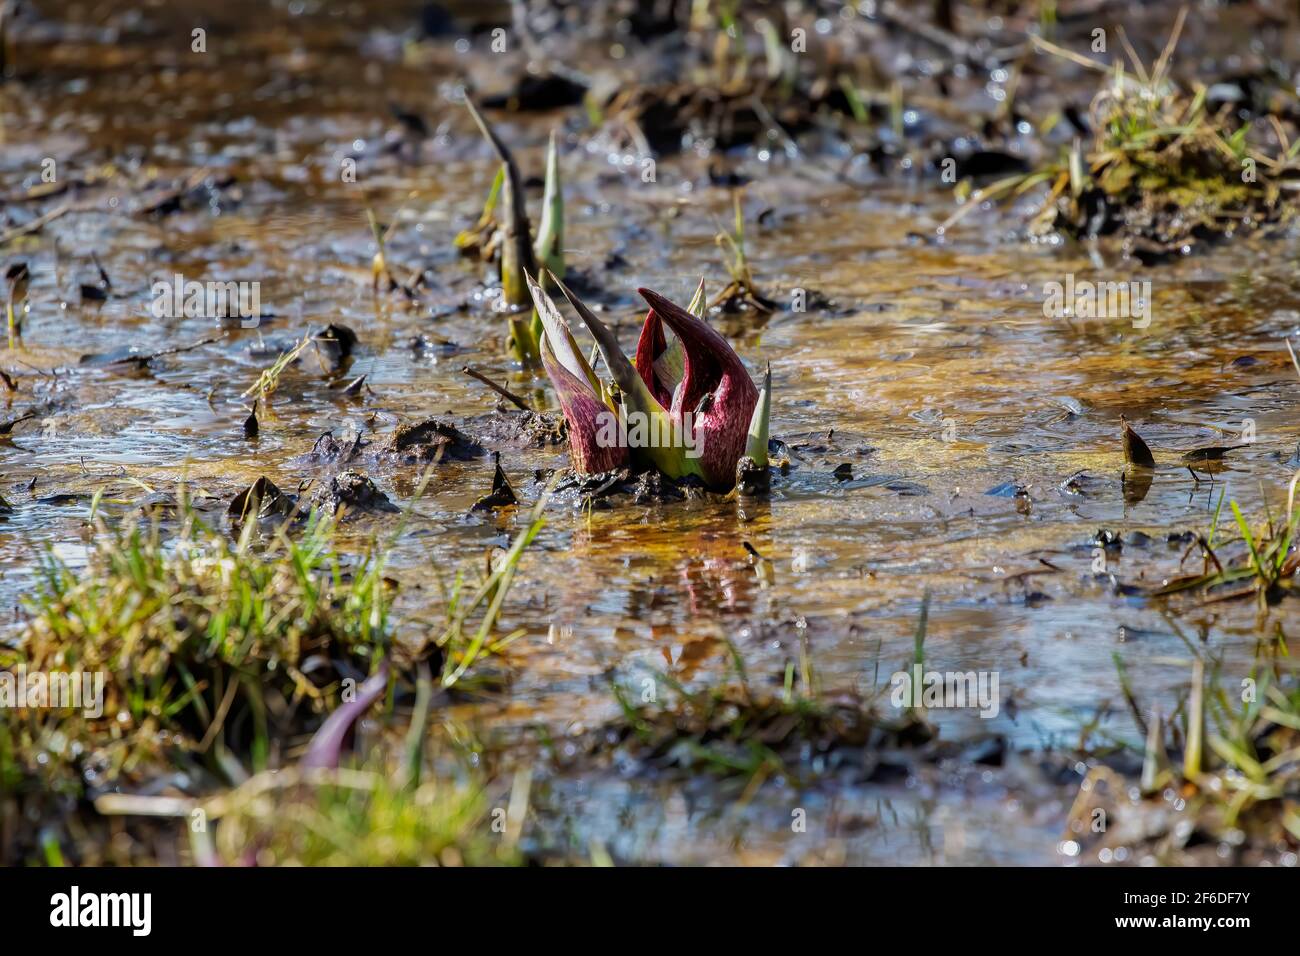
<point>936,376</point>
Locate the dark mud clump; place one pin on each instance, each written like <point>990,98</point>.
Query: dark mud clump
<point>329,449</point>
<point>349,492</point>
<point>353,492</point>
<point>533,429</point>
<point>429,440</point>
<point>669,115</point>
<point>412,443</point>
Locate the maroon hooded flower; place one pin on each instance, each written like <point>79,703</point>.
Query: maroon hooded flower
<point>712,404</point>
<point>715,391</point>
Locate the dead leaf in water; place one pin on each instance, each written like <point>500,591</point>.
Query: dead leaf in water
<point>261,496</point>
<point>1136,451</point>
<point>501,495</point>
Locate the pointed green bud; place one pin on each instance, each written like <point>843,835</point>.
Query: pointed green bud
<point>756,441</point>
<point>550,233</point>
<point>475,236</point>
<point>753,478</point>
<point>517,247</point>
<point>698,301</point>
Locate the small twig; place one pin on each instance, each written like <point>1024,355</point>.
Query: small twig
<point>1076,58</point>
<point>500,390</point>
<point>36,224</point>
<point>187,348</point>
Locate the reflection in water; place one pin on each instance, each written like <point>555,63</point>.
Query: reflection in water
<point>1137,483</point>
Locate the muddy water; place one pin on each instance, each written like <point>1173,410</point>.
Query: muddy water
<point>934,374</point>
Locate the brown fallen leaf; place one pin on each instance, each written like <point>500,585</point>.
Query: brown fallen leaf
<point>260,497</point>
<point>1136,451</point>
<point>501,495</point>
